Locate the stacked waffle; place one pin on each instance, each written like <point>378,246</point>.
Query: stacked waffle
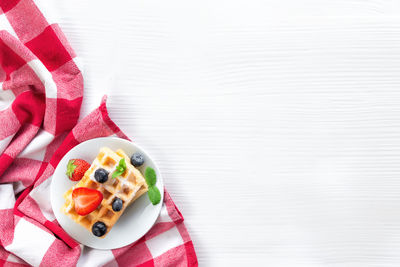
<point>126,187</point>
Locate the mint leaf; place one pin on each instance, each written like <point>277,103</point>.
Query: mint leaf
<point>117,173</point>
<point>150,176</point>
<point>70,168</point>
<point>151,179</point>
<point>119,170</point>
<point>154,195</point>
<point>122,163</point>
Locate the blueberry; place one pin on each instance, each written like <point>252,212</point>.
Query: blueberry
<point>99,229</point>
<point>137,159</point>
<point>117,204</point>
<point>101,175</point>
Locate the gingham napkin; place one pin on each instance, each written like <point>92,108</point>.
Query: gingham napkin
<point>40,99</point>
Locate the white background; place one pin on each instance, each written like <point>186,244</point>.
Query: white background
<point>276,123</point>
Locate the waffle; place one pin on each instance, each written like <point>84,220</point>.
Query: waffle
<point>128,187</point>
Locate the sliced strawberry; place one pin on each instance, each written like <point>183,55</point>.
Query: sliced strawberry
<point>86,200</point>
<point>76,168</point>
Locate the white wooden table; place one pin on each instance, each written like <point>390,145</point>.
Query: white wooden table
<point>276,123</point>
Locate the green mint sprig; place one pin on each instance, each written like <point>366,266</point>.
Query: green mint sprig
<point>120,169</point>
<point>150,176</point>
<point>153,192</point>
<point>154,195</point>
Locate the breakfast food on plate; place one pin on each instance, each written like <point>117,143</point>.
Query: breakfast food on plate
<point>110,185</point>
<point>137,159</point>
<point>151,180</point>
<point>76,169</point>
<point>86,200</point>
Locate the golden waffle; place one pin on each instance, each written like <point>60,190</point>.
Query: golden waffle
<point>128,187</point>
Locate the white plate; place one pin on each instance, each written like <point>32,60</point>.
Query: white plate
<point>136,220</point>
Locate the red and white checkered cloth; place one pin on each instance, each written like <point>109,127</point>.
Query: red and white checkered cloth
<point>40,99</point>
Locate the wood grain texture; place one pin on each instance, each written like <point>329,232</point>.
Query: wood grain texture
<point>275,123</point>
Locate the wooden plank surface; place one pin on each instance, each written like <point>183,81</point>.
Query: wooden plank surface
<point>276,124</point>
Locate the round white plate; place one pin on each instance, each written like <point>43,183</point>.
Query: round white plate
<point>137,218</point>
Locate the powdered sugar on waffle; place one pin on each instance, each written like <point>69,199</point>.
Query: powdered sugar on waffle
<point>109,185</point>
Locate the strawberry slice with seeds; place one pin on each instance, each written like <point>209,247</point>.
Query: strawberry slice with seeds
<point>86,200</point>
<point>76,168</point>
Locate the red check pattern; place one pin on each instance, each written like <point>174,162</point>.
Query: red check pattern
<point>41,90</point>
